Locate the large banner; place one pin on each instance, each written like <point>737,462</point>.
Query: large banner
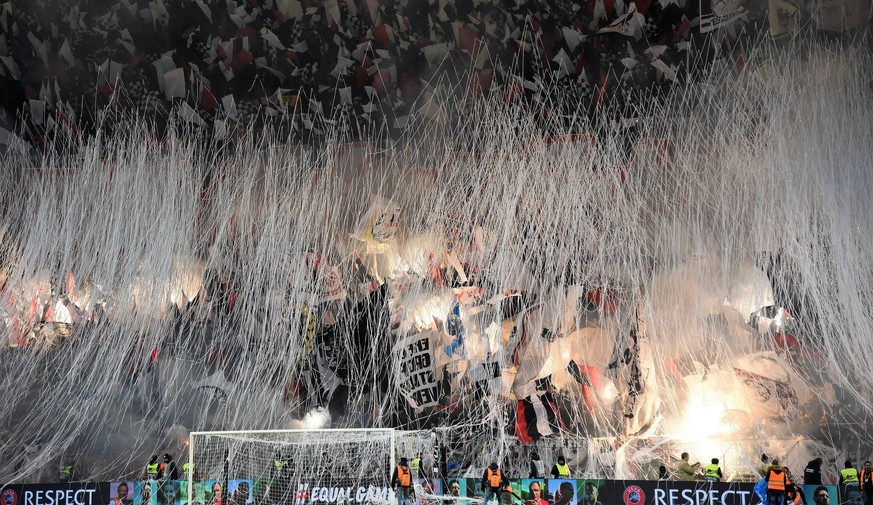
<point>451,492</point>
<point>691,493</point>
<point>315,494</point>
<point>85,493</point>
<point>414,370</point>
<point>612,492</point>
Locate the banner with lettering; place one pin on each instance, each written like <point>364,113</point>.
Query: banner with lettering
<point>309,493</point>
<point>612,492</point>
<point>683,493</point>
<point>414,370</point>
<point>78,493</point>
<point>451,492</point>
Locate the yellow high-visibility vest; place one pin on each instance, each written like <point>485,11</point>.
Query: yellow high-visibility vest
<point>711,470</point>
<point>849,475</point>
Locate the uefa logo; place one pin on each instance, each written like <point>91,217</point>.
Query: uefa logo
<point>9,497</point>
<point>634,495</point>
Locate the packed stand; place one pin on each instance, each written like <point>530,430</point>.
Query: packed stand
<point>361,68</point>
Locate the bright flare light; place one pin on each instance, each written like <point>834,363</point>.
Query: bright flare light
<point>716,408</point>
<point>608,392</point>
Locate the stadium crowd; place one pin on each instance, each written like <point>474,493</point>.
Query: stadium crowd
<point>359,66</point>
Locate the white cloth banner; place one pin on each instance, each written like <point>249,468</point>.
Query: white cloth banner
<point>414,370</point>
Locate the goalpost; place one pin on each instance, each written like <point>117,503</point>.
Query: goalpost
<point>291,467</point>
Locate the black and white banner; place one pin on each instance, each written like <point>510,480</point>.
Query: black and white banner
<point>414,370</point>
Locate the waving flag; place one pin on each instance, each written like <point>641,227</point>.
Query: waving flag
<point>537,415</point>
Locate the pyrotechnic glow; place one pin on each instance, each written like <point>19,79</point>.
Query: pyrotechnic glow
<point>608,392</point>
<point>61,313</point>
<point>186,285</point>
<point>432,309</point>
<point>313,420</point>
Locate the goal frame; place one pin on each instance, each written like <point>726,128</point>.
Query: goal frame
<point>192,436</point>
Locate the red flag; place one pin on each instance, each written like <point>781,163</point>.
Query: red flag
<point>521,424</point>
<point>207,99</point>
<point>241,60</point>
<point>467,40</point>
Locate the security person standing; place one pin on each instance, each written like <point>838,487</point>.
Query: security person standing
<point>280,480</point>
<point>416,467</point>
<point>849,488</point>
<point>866,482</point>
<point>401,482</point>
<point>151,469</point>
<point>712,472</point>
<point>187,470</point>
<point>65,473</point>
<point>778,483</point>
<point>493,482</point>
<point>812,473</point>
<point>278,465</point>
<point>537,470</point>
<point>849,475</point>
<point>561,470</point>
<point>167,469</point>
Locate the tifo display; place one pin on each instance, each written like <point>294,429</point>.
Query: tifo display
<point>686,272</point>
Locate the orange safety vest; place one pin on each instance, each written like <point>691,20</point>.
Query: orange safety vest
<point>865,476</point>
<point>404,475</point>
<point>494,478</point>
<point>777,480</point>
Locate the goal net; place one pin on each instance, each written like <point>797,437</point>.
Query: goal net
<point>293,467</point>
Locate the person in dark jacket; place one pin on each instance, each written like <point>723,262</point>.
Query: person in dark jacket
<point>493,481</point>
<point>865,478</point>
<point>167,470</point>
<point>812,472</point>
<point>401,482</point>
<point>537,469</point>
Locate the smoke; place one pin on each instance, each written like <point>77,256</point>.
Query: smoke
<point>313,420</point>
